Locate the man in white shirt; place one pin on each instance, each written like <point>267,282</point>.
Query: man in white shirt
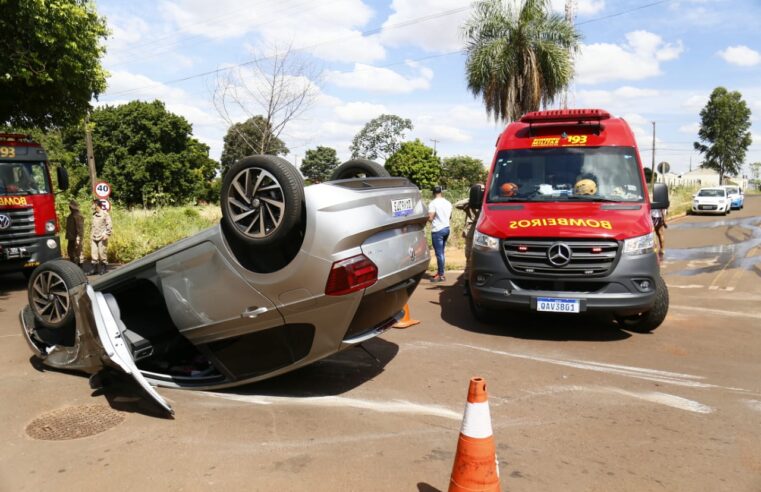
<point>439,212</point>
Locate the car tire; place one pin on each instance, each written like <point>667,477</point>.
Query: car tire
<point>649,320</point>
<point>359,168</point>
<point>481,313</point>
<point>48,293</point>
<point>261,200</point>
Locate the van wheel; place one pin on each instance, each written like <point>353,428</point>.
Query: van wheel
<point>48,292</point>
<point>261,200</point>
<point>650,320</point>
<point>359,168</point>
<point>482,314</point>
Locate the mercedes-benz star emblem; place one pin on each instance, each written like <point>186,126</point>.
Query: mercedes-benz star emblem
<point>411,253</point>
<point>559,254</point>
<point>5,222</point>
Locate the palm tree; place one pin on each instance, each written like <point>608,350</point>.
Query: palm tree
<point>518,58</point>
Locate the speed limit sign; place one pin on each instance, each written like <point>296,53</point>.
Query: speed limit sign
<point>105,205</point>
<point>102,190</point>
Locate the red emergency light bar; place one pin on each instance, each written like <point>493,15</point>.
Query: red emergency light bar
<point>558,115</point>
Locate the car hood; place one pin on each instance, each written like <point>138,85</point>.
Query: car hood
<point>567,220</point>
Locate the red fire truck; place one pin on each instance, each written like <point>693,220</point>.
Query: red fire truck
<point>565,222</point>
<point>28,222</point>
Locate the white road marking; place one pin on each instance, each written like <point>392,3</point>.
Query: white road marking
<point>655,375</point>
<point>666,399</point>
<point>753,405</point>
<point>718,312</point>
<point>395,406</point>
<point>14,335</point>
<point>689,286</point>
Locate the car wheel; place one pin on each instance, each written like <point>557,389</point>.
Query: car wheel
<point>359,168</point>
<point>261,199</point>
<point>48,292</point>
<point>649,320</point>
<point>481,313</point>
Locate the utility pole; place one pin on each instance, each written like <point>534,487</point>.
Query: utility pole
<point>570,15</point>
<point>434,145</point>
<point>90,153</point>
<point>652,167</point>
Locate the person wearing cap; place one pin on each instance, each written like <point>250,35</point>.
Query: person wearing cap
<point>101,231</point>
<point>439,212</point>
<point>75,234</point>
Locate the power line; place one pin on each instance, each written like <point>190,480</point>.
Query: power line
<point>376,30</point>
<point>653,4</point>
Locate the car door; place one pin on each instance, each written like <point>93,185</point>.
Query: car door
<point>115,347</point>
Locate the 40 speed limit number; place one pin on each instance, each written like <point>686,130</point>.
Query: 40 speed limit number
<point>102,190</point>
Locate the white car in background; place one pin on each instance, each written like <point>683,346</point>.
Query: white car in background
<point>711,200</point>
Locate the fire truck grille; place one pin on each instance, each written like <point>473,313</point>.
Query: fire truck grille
<point>560,257</point>
<point>20,234</point>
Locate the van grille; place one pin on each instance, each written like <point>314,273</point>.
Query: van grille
<point>21,231</point>
<point>588,258</point>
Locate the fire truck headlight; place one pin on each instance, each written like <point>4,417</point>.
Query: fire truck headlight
<point>483,241</point>
<point>52,244</point>
<point>50,226</point>
<point>639,245</point>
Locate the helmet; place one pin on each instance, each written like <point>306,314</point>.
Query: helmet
<point>508,189</point>
<point>585,187</point>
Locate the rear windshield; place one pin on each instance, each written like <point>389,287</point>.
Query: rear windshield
<point>23,178</point>
<point>567,174</point>
<point>711,193</point>
<point>733,191</point>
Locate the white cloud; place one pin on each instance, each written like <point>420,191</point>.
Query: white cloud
<point>583,7</point>
<point>740,55</point>
<point>359,112</point>
<point>440,32</point>
<point>378,79</point>
<point>695,102</point>
<point>328,30</point>
<point>756,139</point>
<point>639,58</point>
<point>691,129</point>
<point>634,92</point>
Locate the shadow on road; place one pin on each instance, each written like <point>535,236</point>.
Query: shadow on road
<point>332,376</point>
<point>10,282</point>
<point>528,325</point>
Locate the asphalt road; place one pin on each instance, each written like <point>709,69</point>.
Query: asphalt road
<point>576,403</point>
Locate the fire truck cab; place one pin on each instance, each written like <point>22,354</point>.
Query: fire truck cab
<point>565,223</point>
<point>28,222</point>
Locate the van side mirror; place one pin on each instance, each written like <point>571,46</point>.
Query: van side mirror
<point>660,196</point>
<point>476,198</point>
<point>63,178</point>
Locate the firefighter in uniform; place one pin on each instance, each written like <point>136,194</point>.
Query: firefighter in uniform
<point>101,231</point>
<point>75,234</point>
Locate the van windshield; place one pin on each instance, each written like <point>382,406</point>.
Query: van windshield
<point>567,174</point>
<point>23,178</point>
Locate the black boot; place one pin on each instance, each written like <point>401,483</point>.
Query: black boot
<point>101,268</point>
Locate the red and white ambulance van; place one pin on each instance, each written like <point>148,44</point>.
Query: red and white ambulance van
<point>565,223</point>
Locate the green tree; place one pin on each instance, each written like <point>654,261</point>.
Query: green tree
<point>253,136</point>
<point>518,57</point>
<point>319,163</point>
<point>380,137</point>
<point>147,154</point>
<point>50,65</point>
<point>724,132</point>
<point>755,170</point>
<point>461,171</point>
<point>416,162</point>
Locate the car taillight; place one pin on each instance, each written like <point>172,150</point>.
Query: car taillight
<point>350,275</point>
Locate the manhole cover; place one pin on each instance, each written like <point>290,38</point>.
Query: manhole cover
<point>74,422</point>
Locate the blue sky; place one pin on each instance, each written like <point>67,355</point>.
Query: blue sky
<point>643,60</point>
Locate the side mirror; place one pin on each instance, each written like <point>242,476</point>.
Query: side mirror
<point>63,178</point>
<point>476,198</point>
<point>660,196</point>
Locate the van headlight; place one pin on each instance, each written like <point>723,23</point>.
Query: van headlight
<point>639,245</point>
<point>483,241</point>
<point>50,226</point>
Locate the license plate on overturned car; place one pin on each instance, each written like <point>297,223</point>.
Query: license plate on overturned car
<point>401,208</point>
<point>554,305</point>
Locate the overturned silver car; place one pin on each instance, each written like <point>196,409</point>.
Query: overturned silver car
<point>292,274</point>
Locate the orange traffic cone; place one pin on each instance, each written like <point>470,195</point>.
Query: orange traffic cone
<point>406,322</point>
<point>475,464</point>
